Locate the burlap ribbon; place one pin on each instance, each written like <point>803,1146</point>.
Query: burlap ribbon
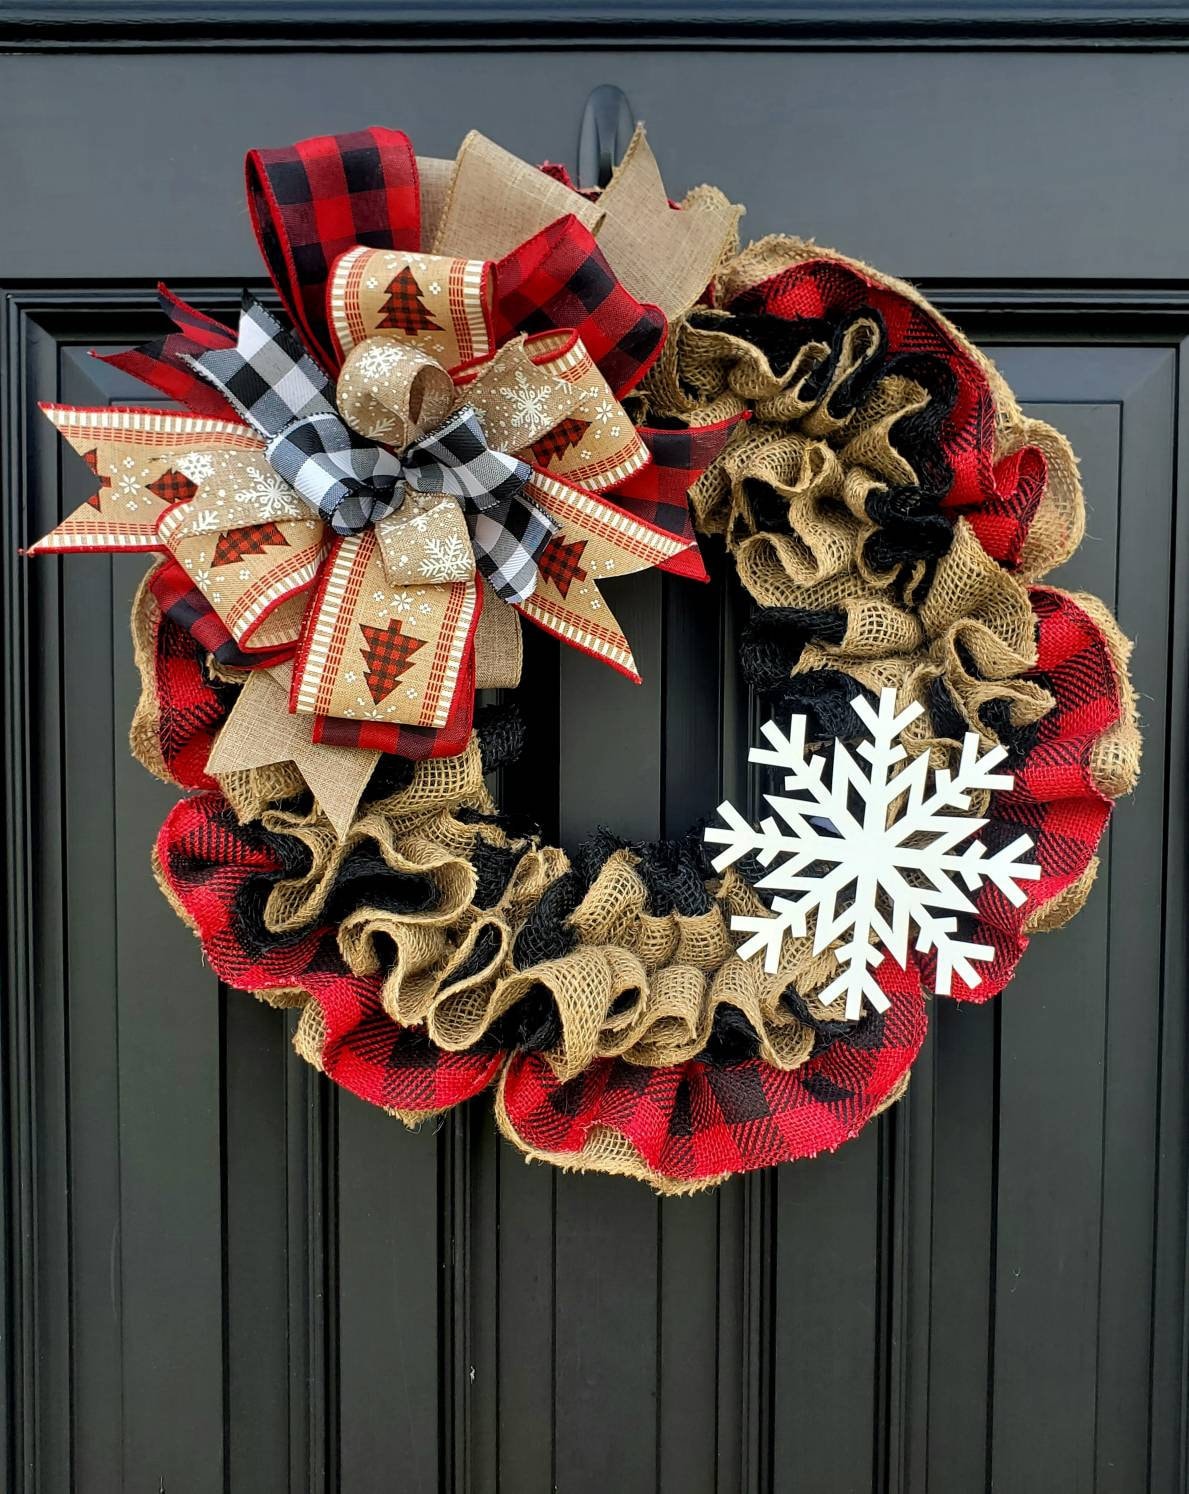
<point>395,605</point>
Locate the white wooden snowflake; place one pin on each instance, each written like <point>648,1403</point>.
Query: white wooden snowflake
<point>879,850</point>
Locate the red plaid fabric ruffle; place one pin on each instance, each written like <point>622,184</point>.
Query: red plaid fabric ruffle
<point>689,1122</point>
<point>215,867</point>
<point>694,1122</point>
<point>999,499</point>
<point>1054,799</point>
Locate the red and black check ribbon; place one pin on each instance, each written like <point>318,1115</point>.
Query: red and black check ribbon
<point>312,201</point>
<point>164,364</point>
<point>560,278</point>
<point>659,492</point>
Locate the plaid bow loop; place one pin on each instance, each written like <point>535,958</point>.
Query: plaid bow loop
<point>352,484</point>
<point>508,531</point>
<point>456,459</point>
<point>280,391</point>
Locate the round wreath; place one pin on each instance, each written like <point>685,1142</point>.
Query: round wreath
<point>535,389</point>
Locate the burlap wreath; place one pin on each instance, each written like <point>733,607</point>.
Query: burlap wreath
<point>892,515</point>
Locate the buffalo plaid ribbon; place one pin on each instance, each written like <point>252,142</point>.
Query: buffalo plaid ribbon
<point>164,364</point>
<point>311,201</point>
<point>352,482</point>
<point>508,531</point>
<point>560,278</point>
<point>282,392</point>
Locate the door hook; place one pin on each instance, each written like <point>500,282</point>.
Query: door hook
<point>607,126</point>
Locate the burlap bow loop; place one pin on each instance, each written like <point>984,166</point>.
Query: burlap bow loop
<point>391,392</point>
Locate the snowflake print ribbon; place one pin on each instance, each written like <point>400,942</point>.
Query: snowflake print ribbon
<point>872,853</point>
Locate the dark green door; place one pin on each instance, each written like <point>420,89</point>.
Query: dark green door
<point>223,1274</point>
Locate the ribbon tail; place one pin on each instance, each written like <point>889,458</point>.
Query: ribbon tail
<point>508,539</point>
<point>377,655</point>
<point>137,459</point>
<point>163,365</point>
<point>596,543</point>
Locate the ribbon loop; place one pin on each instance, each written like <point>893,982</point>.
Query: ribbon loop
<point>349,481</point>
<point>281,391</point>
<point>391,392</point>
<point>508,540</point>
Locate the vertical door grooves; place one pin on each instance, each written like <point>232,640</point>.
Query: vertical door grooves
<point>994,1260</point>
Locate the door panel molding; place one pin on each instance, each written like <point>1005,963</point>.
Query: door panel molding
<point>865,24</point>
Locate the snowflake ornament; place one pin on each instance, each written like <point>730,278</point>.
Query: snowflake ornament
<point>872,853</point>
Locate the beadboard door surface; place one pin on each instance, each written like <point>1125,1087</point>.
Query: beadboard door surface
<point>222,1275</point>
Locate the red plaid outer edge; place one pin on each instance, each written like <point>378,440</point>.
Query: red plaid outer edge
<point>1054,799</point>
<point>311,201</point>
<point>695,1121</point>
<point>561,278</point>
<point>659,492</point>
<point>162,364</point>
<point>1001,523</point>
<point>1000,500</point>
<point>207,860</point>
<point>190,710</point>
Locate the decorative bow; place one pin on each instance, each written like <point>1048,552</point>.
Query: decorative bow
<point>352,482</point>
<point>469,443</point>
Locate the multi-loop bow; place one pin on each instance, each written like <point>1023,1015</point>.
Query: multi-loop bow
<point>468,444</point>
<point>352,482</point>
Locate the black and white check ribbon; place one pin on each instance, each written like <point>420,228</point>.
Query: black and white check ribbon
<point>352,482</point>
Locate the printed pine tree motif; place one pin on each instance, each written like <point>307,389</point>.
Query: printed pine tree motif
<point>92,460</point>
<point>388,654</point>
<point>173,487</point>
<point>559,562</point>
<point>404,310</point>
<point>252,539</point>
<point>554,444</point>
<point>870,854</point>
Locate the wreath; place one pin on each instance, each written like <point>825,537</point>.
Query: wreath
<point>491,394</point>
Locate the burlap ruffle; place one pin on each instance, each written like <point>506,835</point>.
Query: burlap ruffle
<point>820,474</point>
